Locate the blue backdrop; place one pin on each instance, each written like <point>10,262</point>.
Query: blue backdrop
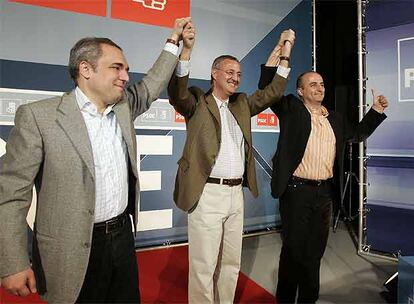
<point>35,59</point>
<point>390,71</point>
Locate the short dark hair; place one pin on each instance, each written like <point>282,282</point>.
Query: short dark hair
<point>219,60</point>
<point>87,49</point>
<point>300,77</point>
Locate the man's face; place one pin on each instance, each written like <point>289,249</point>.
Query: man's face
<point>227,77</point>
<point>312,89</point>
<point>108,80</point>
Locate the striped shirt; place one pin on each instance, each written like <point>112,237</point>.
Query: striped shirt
<point>230,159</point>
<point>318,160</point>
<point>109,156</point>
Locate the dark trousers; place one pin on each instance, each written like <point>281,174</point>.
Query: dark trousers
<point>112,274</point>
<point>305,212</point>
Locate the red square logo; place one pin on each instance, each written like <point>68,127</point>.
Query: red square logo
<point>179,117</point>
<point>262,119</point>
<point>272,119</point>
<point>155,12</point>
<point>92,7</point>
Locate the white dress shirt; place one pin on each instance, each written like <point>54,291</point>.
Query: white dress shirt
<point>109,155</point>
<point>230,160</point>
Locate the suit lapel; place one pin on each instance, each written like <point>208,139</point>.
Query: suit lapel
<point>237,110</point>
<point>212,107</point>
<point>70,119</point>
<point>332,121</point>
<point>335,128</point>
<point>123,117</point>
<point>305,120</point>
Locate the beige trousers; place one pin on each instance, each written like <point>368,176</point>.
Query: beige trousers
<point>215,230</point>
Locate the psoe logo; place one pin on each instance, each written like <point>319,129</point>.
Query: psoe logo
<point>405,69</point>
<point>154,12</point>
<point>158,5</point>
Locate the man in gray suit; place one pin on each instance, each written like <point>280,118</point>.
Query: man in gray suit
<point>79,150</point>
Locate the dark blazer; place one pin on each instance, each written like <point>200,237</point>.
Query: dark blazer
<point>203,124</point>
<point>295,127</point>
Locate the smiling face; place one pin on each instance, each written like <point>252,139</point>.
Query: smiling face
<point>226,78</point>
<point>311,88</point>
<point>104,84</point>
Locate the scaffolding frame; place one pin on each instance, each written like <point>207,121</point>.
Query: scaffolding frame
<point>363,247</point>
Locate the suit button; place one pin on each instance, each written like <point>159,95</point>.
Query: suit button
<point>90,212</point>
<point>87,245</point>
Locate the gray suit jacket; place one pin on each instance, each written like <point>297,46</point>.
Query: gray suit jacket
<point>49,147</point>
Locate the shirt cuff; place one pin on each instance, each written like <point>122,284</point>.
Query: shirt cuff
<point>183,68</point>
<point>172,48</point>
<point>282,71</point>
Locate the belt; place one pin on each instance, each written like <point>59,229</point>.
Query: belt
<point>111,224</point>
<point>225,181</point>
<point>310,182</point>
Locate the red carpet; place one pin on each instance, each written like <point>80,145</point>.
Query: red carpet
<point>163,277</point>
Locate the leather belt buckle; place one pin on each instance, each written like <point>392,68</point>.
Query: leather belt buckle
<point>309,182</point>
<point>113,223</point>
<point>110,225</point>
<point>225,181</point>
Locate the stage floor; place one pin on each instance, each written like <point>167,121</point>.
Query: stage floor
<point>345,276</point>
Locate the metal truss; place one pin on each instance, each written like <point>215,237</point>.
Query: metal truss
<point>363,247</point>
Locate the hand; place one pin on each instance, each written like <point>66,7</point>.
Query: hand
<point>188,41</point>
<point>188,35</point>
<point>274,59</point>
<point>178,28</point>
<point>379,102</point>
<point>287,41</point>
<point>287,36</point>
<point>20,284</point>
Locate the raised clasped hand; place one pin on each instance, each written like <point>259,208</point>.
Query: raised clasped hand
<point>178,28</point>
<point>188,35</point>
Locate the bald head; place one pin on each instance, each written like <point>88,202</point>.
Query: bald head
<point>299,80</point>
<point>310,87</point>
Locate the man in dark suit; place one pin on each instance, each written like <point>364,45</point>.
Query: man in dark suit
<point>217,159</point>
<point>307,173</point>
<point>79,150</point>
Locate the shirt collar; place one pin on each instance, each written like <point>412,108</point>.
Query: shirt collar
<point>221,103</point>
<point>86,105</point>
<point>321,111</point>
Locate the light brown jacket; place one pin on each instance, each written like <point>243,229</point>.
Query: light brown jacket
<point>204,134</point>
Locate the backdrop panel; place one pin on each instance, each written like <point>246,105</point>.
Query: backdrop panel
<point>33,63</point>
<point>390,71</point>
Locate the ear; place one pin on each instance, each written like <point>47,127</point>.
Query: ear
<point>85,69</point>
<point>213,74</point>
<point>299,91</point>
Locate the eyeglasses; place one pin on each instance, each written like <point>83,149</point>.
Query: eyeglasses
<point>231,73</point>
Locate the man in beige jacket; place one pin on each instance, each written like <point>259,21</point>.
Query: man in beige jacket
<point>217,159</point>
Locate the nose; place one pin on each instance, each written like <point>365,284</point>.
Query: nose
<point>124,76</point>
<point>235,77</point>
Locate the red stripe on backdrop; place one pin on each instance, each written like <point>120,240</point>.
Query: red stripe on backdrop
<point>163,275</point>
